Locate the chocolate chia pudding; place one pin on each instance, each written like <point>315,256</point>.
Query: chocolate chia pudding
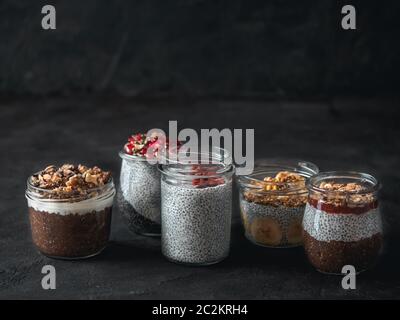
<point>196,213</point>
<point>139,191</point>
<point>70,210</point>
<point>272,204</point>
<point>342,223</point>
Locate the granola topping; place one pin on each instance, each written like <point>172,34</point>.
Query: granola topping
<point>69,181</point>
<point>287,189</point>
<point>343,194</point>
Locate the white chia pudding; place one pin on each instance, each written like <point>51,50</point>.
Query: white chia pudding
<point>346,227</point>
<point>139,196</point>
<point>196,222</point>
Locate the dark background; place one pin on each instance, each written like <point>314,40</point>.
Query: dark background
<point>231,48</point>
<point>285,68</point>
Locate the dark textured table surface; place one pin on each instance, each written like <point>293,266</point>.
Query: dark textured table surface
<point>335,134</point>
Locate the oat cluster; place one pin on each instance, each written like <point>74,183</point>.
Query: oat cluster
<point>285,189</point>
<point>344,194</point>
<point>341,187</point>
<point>70,180</point>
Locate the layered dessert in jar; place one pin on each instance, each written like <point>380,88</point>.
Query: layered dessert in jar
<point>272,201</point>
<point>139,189</point>
<point>70,210</point>
<point>342,222</point>
<point>196,212</point>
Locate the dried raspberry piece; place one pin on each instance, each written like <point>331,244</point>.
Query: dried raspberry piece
<point>139,144</point>
<point>205,182</point>
<point>128,148</point>
<point>155,145</point>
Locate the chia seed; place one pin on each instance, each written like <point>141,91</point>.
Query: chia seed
<point>138,196</point>
<point>342,221</point>
<point>332,240</point>
<point>325,226</point>
<point>196,223</point>
<point>284,224</point>
<point>272,202</point>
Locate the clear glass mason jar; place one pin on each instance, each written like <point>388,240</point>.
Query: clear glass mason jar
<point>342,222</point>
<point>196,208</point>
<point>73,228</point>
<point>138,195</point>
<point>272,201</point>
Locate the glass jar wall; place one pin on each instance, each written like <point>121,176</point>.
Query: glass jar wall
<point>139,195</point>
<point>342,222</point>
<point>272,201</point>
<point>196,207</point>
<point>70,228</point>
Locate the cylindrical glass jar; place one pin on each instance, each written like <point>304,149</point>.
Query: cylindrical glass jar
<point>139,195</point>
<point>272,201</point>
<point>196,208</point>
<point>70,228</point>
<point>342,222</point>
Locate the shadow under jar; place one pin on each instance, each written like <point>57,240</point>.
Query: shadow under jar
<point>76,227</point>
<point>138,195</point>
<point>342,222</point>
<point>272,201</point>
<point>196,208</point>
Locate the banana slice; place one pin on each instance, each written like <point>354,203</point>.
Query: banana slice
<point>266,231</point>
<point>294,233</point>
<point>245,219</point>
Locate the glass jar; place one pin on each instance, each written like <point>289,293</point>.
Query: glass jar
<point>71,228</point>
<point>342,222</point>
<point>196,207</point>
<point>272,201</point>
<point>138,195</point>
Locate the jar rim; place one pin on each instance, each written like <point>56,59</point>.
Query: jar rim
<point>189,174</point>
<point>220,154</point>
<point>123,155</point>
<point>304,168</point>
<point>353,176</point>
<point>184,169</point>
<point>33,190</point>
